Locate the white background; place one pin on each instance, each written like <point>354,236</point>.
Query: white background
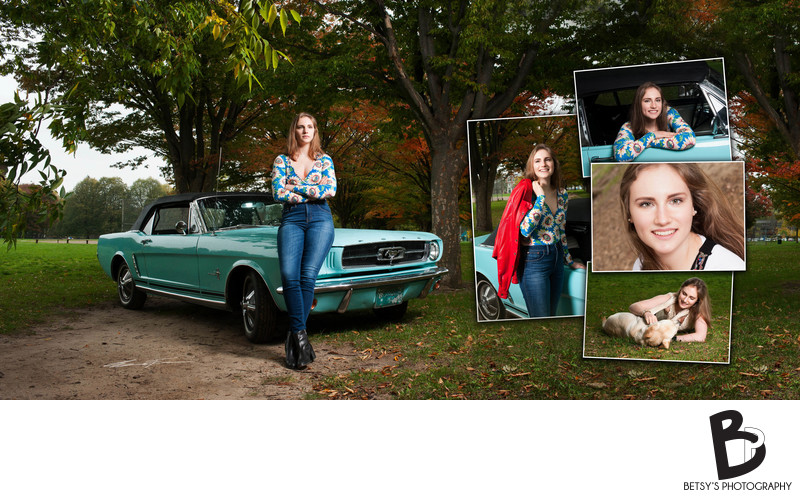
<point>381,448</point>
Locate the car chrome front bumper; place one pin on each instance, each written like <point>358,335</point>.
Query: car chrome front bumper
<point>433,275</point>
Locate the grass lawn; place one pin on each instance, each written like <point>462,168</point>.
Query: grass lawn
<point>439,351</point>
<point>40,279</point>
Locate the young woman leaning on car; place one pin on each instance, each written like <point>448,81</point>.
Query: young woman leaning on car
<point>302,179</point>
<point>652,124</point>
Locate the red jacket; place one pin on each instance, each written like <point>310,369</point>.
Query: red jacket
<point>506,244</point>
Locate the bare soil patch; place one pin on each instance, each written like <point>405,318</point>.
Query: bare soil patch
<point>168,350</point>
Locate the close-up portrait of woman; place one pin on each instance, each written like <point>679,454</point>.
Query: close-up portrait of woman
<point>673,216</point>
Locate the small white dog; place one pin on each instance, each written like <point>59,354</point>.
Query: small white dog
<point>626,324</point>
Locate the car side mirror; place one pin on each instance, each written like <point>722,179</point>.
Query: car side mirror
<point>180,227</point>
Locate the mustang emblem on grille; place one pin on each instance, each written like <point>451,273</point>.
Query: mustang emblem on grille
<point>391,254</point>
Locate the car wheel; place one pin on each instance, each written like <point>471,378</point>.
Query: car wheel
<point>129,296</point>
<point>259,313</point>
<point>392,313</point>
<point>490,307</point>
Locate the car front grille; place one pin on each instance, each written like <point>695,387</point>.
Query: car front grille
<point>384,253</point>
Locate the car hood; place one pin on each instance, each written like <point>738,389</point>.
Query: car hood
<point>352,236</point>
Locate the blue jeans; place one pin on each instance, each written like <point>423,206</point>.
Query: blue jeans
<point>304,239</point>
<point>540,273</point>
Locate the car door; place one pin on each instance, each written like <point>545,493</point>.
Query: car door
<point>170,251</point>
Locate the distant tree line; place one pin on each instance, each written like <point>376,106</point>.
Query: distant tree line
<point>95,207</point>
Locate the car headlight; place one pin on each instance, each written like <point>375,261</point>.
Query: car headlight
<point>433,251</point>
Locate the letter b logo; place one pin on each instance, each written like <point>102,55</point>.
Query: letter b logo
<point>753,450</point>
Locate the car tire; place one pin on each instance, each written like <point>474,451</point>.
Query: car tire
<point>490,307</point>
<point>259,313</point>
<point>392,313</point>
<point>129,296</point>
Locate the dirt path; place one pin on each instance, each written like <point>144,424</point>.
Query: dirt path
<point>168,350</point>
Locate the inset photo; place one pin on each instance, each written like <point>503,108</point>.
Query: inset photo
<point>668,216</point>
<point>531,218</point>
<point>664,317</point>
<point>668,112</point>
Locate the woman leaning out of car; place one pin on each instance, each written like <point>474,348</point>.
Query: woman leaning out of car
<point>302,179</point>
<point>652,124</point>
<point>531,243</point>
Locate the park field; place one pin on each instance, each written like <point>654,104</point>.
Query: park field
<point>439,351</point>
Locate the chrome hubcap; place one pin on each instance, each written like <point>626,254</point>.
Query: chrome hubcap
<point>489,302</point>
<point>248,306</point>
<point>125,285</point>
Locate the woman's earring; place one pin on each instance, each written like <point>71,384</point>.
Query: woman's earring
<point>629,220</point>
<point>695,213</point>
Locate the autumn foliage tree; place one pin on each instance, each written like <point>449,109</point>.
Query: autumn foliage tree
<point>449,62</point>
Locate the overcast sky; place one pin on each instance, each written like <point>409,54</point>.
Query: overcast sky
<point>86,161</point>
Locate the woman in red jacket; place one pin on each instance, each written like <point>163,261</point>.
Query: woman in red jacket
<point>531,244</point>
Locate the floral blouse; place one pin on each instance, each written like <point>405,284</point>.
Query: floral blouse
<point>542,227</point>
<point>287,186</point>
<point>627,148</point>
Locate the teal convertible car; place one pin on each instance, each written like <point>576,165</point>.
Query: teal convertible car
<point>220,250</point>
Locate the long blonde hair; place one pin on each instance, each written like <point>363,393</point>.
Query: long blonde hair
<point>314,149</point>
<point>715,218</point>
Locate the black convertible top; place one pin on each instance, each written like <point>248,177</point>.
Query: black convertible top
<point>594,81</point>
<point>186,198</point>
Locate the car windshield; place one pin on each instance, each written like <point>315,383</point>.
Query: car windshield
<point>225,213</point>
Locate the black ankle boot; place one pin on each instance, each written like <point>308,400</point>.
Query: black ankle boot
<point>292,350</point>
<point>305,353</point>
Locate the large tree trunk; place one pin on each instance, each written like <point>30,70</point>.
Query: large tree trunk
<point>447,167</point>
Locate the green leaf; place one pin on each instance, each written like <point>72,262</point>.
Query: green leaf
<point>273,13</point>
<point>284,21</point>
<point>284,56</point>
<point>295,15</point>
<point>268,54</point>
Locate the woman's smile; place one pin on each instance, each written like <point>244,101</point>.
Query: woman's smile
<point>543,164</point>
<point>651,103</point>
<point>661,211</point>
